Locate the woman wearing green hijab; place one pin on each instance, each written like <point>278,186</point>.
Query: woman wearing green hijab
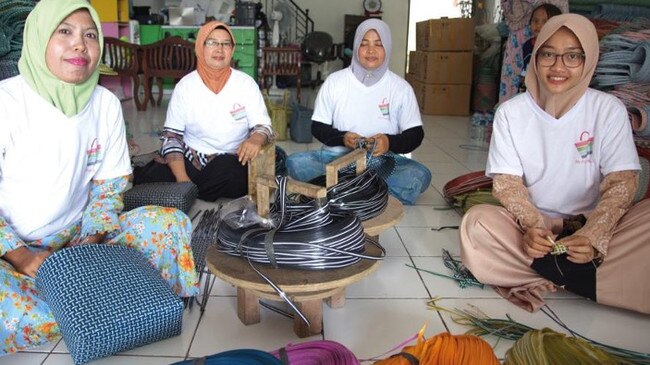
<point>63,166</point>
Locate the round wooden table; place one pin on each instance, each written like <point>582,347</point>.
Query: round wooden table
<point>306,288</point>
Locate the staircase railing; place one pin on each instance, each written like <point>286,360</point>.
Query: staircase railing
<point>302,23</point>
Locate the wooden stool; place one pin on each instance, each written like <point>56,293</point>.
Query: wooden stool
<point>305,288</point>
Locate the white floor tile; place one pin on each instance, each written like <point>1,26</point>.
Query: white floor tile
<point>392,243</point>
<point>424,241</point>
<point>393,279</point>
<point>23,358</point>
<point>370,327</point>
<point>221,330</point>
<point>611,326</point>
<point>426,216</point>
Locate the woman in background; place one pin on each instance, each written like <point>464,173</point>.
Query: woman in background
<point>216,123</point>
<point>538,18</point>
<point>367,105</point>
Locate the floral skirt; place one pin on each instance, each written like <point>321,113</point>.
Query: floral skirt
<point>161,234</point>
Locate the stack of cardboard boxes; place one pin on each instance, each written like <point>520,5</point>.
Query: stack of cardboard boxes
<point>440,69</point>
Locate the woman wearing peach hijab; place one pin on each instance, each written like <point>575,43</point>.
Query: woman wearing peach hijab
<point>216,123</point>
<point>565,170</point>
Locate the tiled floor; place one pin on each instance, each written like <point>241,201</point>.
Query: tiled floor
<point>388,307</point>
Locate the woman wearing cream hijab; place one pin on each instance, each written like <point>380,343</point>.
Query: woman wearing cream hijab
<point>565,170</point>
<point>63,166</point>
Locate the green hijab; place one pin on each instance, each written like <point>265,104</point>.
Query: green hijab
<point>40,24</point>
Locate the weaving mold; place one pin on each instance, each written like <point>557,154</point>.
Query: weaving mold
<point>107,299</point>
<point>165,194</point>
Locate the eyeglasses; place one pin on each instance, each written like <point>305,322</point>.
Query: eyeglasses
<point>570,59</point>
<point>213,43</point>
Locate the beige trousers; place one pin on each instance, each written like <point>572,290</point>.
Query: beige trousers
<point>492,249</point>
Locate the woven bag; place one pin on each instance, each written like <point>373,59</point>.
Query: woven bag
<point>165,194</point>
<point>107,299</point>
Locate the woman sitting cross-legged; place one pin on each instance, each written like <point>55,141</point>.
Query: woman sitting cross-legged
<point>367,104</point>
<point>565,170</point>
<point>64,164</point>
<point>216,123</point>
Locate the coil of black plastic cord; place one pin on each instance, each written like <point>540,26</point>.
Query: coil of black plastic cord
<point>365,195</point>
<point>306,236</point>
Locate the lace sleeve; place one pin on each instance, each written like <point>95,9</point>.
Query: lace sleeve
<point>513,195</point>
<point>616,195</point>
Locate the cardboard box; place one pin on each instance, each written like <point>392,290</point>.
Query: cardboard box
<point>410,78</point>
<point>413,62</point>
<point>443,67</point>
<point>440,99</point>
<point>445,34</point>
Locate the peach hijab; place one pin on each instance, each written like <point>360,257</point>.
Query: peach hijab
<point>558,104</point>
<point>214,79</point>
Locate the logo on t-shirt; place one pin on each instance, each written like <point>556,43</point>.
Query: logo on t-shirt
<point>238,112</point>
<point>94,153</point>
<point>585,145</point>
<point>384,108</point>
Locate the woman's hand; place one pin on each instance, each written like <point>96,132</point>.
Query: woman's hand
<point>536,244</point>
<point>25,261</point>
<point>96,238</point>
<point>249,149</point>
<point>351,140</point>
<point>579,249</point>
<point>380,142</point>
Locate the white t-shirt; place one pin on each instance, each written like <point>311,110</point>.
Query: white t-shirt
<point>216,123</point>
<point>387,107</point>
<point>562,161</point>
<point>47,160</point>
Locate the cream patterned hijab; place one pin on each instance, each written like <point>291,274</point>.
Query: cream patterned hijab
<point>558,104</point>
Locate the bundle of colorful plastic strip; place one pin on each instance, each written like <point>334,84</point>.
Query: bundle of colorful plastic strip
<point>316,353</point>
<point>545,346</point>
<point>445,349</point>
<point>235,357</point>
<point>480,324</point>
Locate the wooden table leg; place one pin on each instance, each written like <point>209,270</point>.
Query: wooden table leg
<point>313,311</point>
<point>248,307</point>
<point>337,300</point>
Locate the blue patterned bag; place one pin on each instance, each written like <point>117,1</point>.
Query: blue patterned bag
<point>107,299</point>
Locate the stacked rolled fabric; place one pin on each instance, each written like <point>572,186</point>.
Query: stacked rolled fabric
<point>624,66</point>
<point>12,22</point>
<point>589,7</point>
<point>620,12</point>
<point>624,71</point>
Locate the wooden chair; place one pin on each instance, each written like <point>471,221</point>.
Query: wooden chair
<point>172,57</point>
<point>124,58</point>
